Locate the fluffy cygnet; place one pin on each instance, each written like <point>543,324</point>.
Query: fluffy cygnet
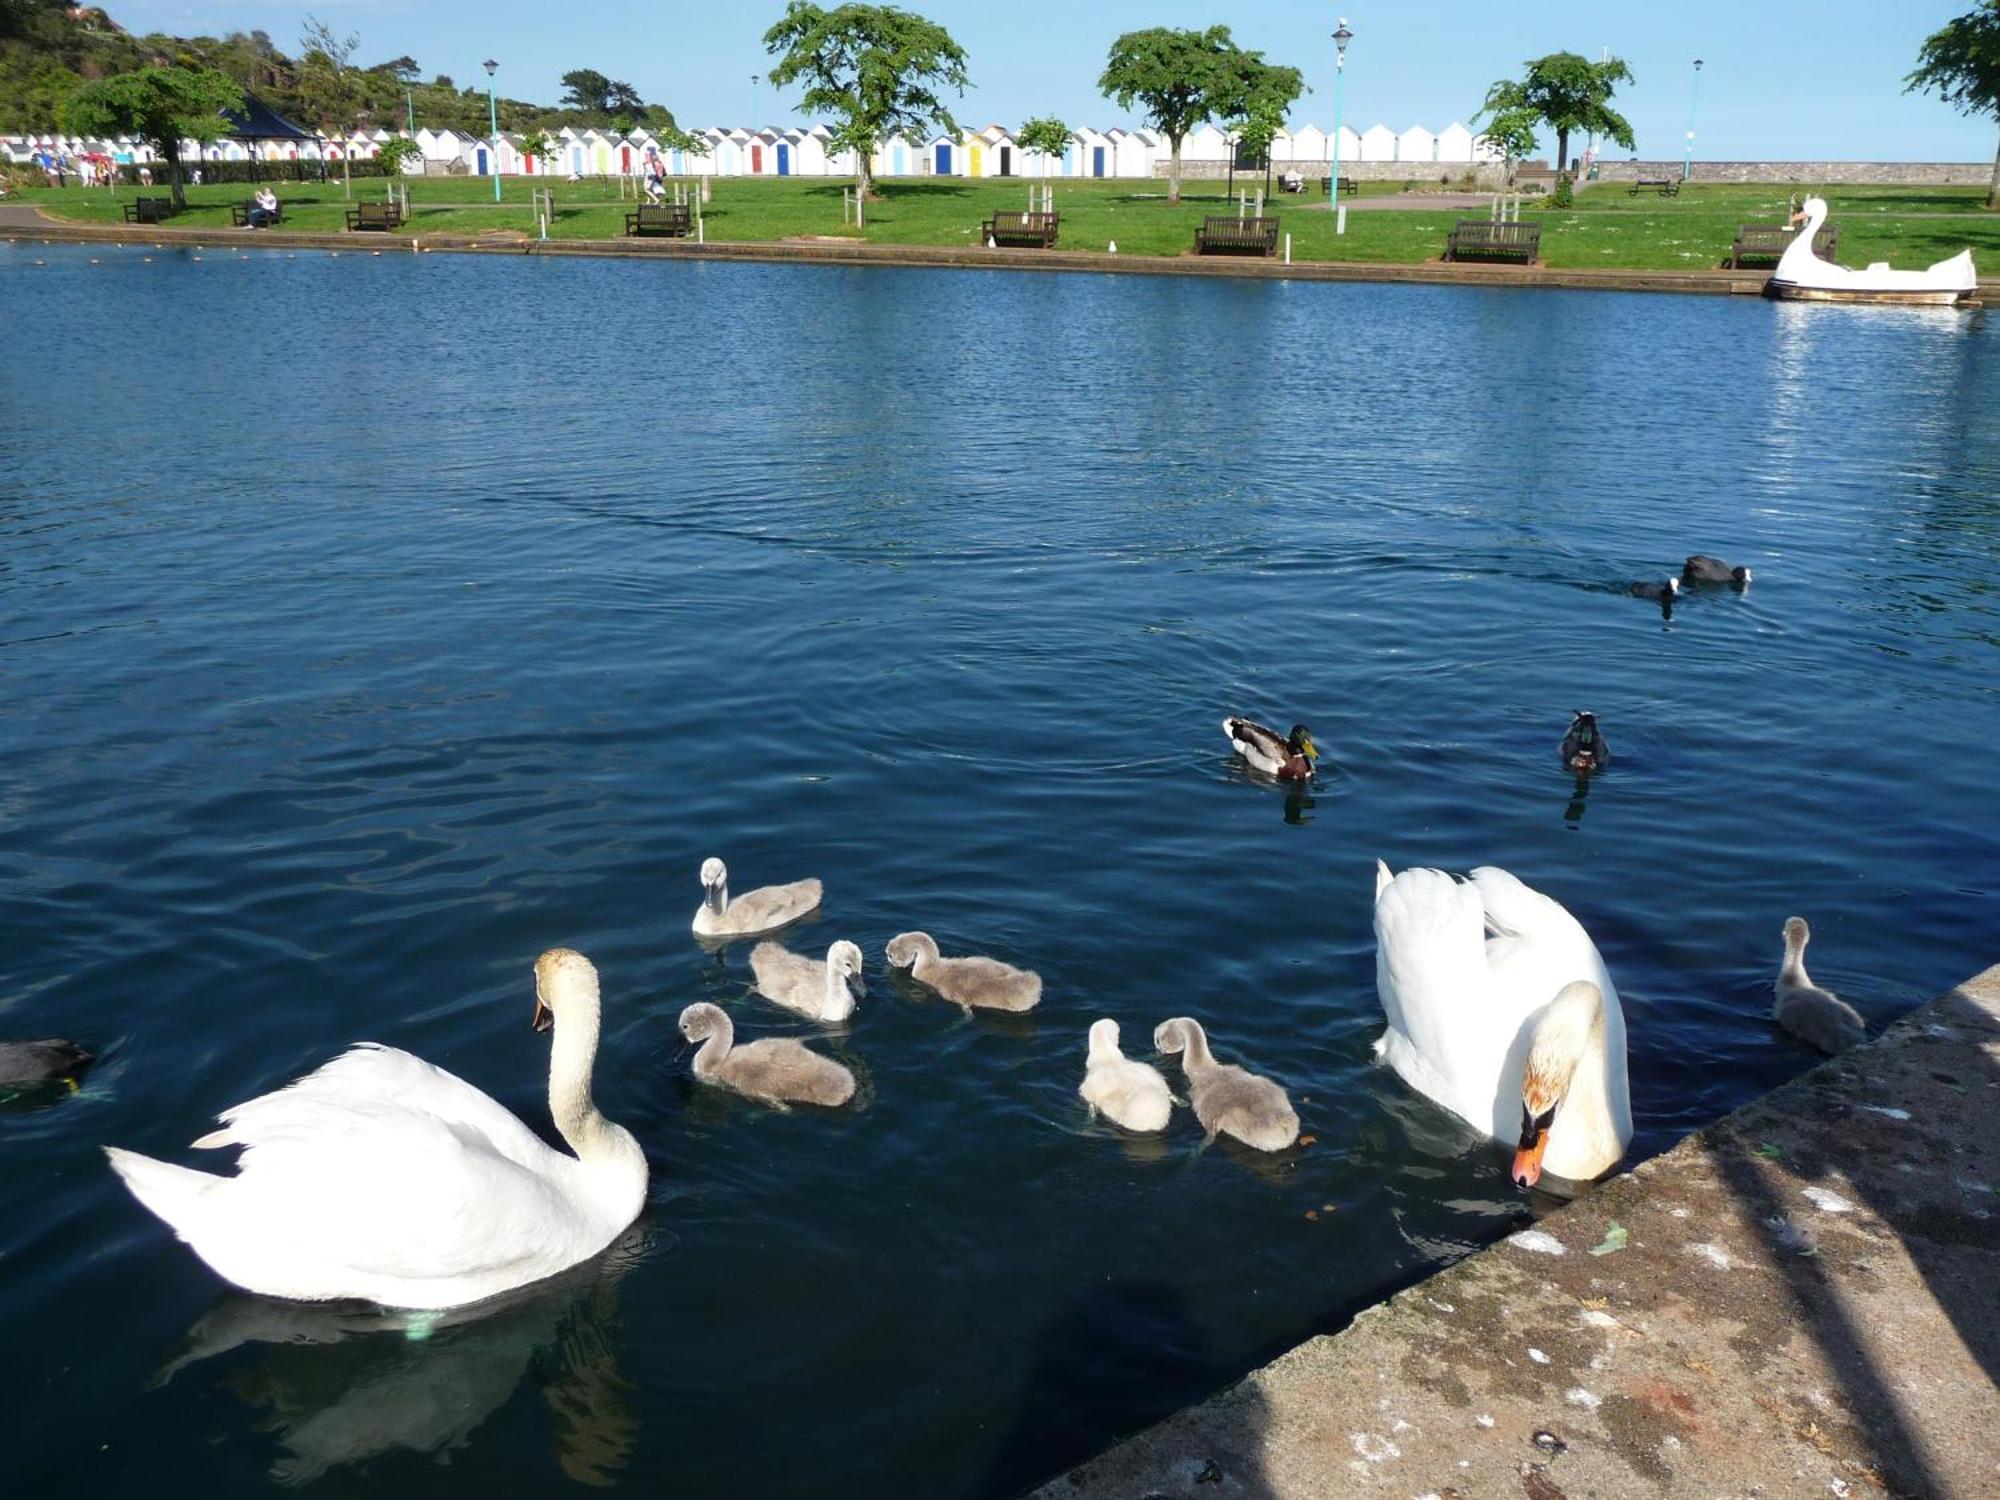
<point>975,983</point>
<point>777,1070</point>
<point>821,990</point>
<point>1226,1099</point>
<point>762,910</point>
<point>1815,1016</point>
<point>1127,1093</point>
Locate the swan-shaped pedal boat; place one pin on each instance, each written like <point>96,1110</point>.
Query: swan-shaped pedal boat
<point>1802,276</point>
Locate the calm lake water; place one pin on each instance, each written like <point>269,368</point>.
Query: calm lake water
<point>369,625</point>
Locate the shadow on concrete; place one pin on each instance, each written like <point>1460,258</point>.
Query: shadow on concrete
<point>1117,1360</point>
<point>1912,1174</point>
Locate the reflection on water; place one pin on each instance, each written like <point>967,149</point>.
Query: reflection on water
<point>344,1384</point>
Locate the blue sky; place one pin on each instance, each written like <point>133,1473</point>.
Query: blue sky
<point>1782,79</point>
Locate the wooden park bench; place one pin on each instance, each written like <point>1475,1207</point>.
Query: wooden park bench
<point>376,216</point>
<point>1036,229</point>
<point>1767,242</point>
<point>673,220</point>
<point>149,210</point>
<point>1667,187</point>
<point>239,213</point>
<point>1348,185</point>
<point>1485,239</point>
<point>1226,234</point>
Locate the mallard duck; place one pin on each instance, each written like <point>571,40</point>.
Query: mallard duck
<point>1583,748</point>
<point>1287,758</point>
<point>1815,1016</point>
<point>25,1065</point>
<point>1703,569</point>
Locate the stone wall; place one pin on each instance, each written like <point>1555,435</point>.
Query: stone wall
<point>1854,173</point>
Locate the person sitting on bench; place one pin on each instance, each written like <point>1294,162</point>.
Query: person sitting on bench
<point>1292,182</point>
<point>264,209</point>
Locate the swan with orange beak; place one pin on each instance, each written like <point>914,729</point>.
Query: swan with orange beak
<point>1500,1009</point>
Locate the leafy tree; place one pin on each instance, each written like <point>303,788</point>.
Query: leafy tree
<point>1565,91</point>
<point>162,105</point>
<point>395,151</point>
<point>540,146</point>
<point>876,69</point>
<point>586,89</point>
<point>1961,65</point>
<point>1044,134</point>
<point>1184,78</point>
<point>403,69</point>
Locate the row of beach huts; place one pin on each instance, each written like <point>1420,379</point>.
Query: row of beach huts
<point>805,151</point>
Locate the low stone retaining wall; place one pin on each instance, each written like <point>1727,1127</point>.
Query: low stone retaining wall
<point>1846,173</point>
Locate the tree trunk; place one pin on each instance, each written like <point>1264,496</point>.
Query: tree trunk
<point>1174,170</point>
<point>1562,151</point>
<point>172,147</point>
<point>1993,188</point>
<point>864,184</point>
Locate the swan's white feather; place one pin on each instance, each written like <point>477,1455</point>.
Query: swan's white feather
<point>382,1177</point>
<point>1463,968</point>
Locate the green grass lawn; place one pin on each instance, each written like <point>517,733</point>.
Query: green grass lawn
<point>1608,227</point>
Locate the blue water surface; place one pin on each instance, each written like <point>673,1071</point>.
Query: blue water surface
<point>369,624</point>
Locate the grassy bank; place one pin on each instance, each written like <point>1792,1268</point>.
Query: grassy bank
<point>1607,228</point>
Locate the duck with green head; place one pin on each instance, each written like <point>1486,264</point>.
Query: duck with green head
<point>1287,757</point>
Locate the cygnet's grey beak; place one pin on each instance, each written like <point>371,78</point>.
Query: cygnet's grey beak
<point>858,984</point>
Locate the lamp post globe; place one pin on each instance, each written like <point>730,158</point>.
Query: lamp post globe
<point>1341,37</point>
<point>493,118</point>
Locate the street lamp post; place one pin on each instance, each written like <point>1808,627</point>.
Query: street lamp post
<point>493,116</point>
<point>1694,98</point>
<point>1341,38</point>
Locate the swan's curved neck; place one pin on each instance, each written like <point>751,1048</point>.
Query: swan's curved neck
<point>1585,1137</point>
<point>717,897</point>
<point>837,999</point>
<point>572,1058</point>
<point>1794,972</point>
<point>1194,1047</point>
<point>1104,1048</point>
<point>715,1046</point>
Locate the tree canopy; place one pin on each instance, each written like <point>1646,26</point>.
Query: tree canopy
<point>1565,91</point>
<point>875,69</point>
<point>589,91</point>
<point>1183,78</point>
<point>1044,134</point>
<point>1960,63</point>
<point>162,105</point>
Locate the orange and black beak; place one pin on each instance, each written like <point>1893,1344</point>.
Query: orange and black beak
<point>544,1017</point>
<point>1534,1141</point>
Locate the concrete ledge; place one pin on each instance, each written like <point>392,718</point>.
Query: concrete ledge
<point>1801,1300</point>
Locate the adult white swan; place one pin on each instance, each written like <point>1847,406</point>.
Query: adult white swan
<point>1500,1010</point>
<point>1803,277</point>
<point>383,1178</point>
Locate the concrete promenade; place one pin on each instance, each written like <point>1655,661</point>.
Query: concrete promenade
<point>1801,1300</point>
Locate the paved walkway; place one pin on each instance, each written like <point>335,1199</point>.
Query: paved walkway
<point>1802,1300</point>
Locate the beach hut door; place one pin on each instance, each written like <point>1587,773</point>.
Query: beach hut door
<point>1006,161</point>
<point>944,161</point>
<point>1096,161</point>
<point>784,159</point>
<point>482,161</point>
<point>756,159</point>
